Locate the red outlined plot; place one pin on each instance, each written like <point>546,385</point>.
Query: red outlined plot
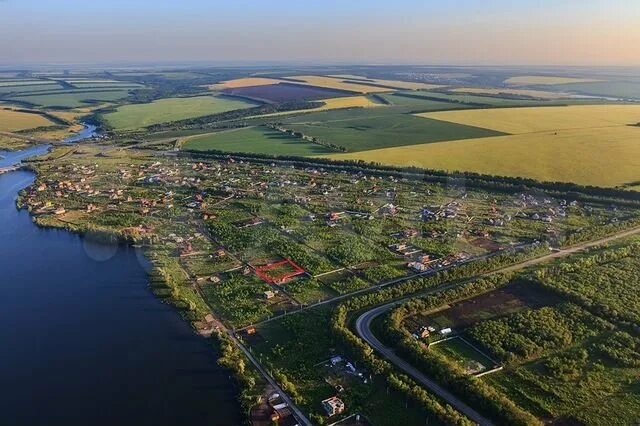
<point>279,272</point>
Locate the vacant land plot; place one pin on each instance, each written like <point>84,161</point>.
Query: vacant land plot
<point>338,84</point>
<point>244,82</point>
<point>460,351</point>
<point>566,155</point>
<point>534,80</point>
<point>530,120</point>
<point>257,140</point>
<point>541,94</point>
<point>71,98</point>
<point>285,92</point>
<point>365,129</point>
<point>513,298</point>
<point>13,121</point>
<point>136,116</point>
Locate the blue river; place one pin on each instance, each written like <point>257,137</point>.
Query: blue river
<point>83,341</point>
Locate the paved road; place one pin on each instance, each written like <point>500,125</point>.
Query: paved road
<point>298,413</point>
<point>363,327</point>
<point>363,324</point>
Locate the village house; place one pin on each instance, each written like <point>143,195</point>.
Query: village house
<point>333,406</point>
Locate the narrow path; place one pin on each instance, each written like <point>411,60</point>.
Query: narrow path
<point>363,323</point>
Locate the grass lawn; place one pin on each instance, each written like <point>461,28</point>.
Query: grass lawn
<point>464,354</point>
<point>136,116</point>
<point>256,140</point>
<point>367,129</point>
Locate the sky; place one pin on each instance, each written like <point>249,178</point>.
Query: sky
<point>452,32</point>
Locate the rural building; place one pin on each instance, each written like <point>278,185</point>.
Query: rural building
<point>333,406</point>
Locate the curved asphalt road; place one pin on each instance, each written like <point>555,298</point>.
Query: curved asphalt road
<point>363,325</point>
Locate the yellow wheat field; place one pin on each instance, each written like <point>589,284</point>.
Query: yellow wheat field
<point>526,80</point>
<point>244,82</point>
<point>540,119</point>
<point>408,85</point>
<point>332,103</point>
<point>13,121</point>
<point>601,157</point>
<point>541,94</point>
<point>337,83</point>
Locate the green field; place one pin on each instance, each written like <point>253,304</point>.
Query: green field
<point>26,88</point>
<point>257,140</point>
<point>464,354</point>
<point>136,116</point>
<point>71,98</point>
<point>367,129</point>
<point>107,85</point>
<point>415,103</point>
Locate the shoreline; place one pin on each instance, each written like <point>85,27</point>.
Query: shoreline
<point>230,355</point>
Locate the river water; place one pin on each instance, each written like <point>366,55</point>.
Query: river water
<point>83,341</point>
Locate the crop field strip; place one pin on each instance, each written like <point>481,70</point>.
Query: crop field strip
<point>507,91</point>
<point>255,140</point>
<point>136,116</point>
<point>368,129</point>
<point>70,98</point>
<point>392,84</point>
<point>557,144</point>
<point>337,84</point>
<point>330,104</point>
<point>532,120</point>
<point>12,121</point>
<point>286,92</point>
<point>532,80</point>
